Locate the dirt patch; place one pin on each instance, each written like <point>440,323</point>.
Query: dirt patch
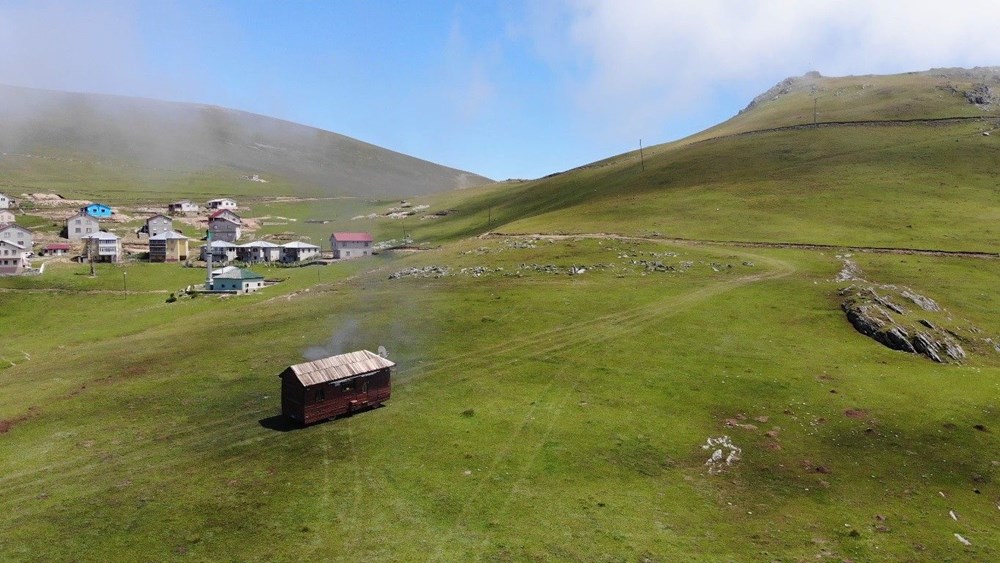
<point>857,414</point>
<point>7,424</point>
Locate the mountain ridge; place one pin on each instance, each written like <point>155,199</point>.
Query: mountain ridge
<point>173,140</point>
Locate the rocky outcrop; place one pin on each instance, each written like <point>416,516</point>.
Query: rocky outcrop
<point>877,316</point>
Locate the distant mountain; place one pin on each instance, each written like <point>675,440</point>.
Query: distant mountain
<point>92,142</point>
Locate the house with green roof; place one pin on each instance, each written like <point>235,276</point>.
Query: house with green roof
<point>237,280</point>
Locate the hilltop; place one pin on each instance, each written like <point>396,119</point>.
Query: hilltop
<point>704,353</point>
<point>81,144</point>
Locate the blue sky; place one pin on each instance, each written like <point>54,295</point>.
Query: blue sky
<point>501,88</point>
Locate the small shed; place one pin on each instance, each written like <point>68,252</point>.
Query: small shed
<point>333,386</point>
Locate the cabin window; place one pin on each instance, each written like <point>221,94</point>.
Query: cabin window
<point>320,394</point>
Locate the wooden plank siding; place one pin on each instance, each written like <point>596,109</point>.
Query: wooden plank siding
<point>330,399</point>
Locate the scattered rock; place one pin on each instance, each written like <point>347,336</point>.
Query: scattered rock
<point>962,540</point>
<point>724,454</point>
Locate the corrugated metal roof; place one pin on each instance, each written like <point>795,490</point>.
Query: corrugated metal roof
<point>259,244</point>
<point>339,367</point>
<point>299,244</point>
<point>218,214</point>
<point>352,237</point>
<point>101,235</point>
<point>169,235</point>
<point>222,244</point>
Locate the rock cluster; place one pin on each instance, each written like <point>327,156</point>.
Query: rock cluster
<point>879,317</point>
<point>425,272</point>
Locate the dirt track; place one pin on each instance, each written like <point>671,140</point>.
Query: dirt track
<point>751,244</point>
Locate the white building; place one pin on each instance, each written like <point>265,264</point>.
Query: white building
<point>259,251</point>
<point>15,233</point>
<point>13,258</point>
<point>5,202</point>
<point>351,245</point>
<point>222,203</point>
<point>6,216</point>
<point>182,207</point>
<point>102,247</point>
<point>298,251</point>
<point>222,251</point>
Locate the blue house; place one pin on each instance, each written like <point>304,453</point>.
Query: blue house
<point>98,210</point>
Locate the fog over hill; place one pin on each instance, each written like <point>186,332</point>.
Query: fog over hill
<point>143,134</point>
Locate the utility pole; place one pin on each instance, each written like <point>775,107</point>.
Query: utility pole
<point>642,161</point>
<point>208,258</point>
<point>124,285</point>
<point>815,108</point>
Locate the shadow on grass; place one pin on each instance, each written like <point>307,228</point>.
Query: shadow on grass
<point>279,423</point>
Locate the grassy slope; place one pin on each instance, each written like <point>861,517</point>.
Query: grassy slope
<point>542,416</point>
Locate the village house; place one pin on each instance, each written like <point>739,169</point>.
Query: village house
<point>221,250</point>
<point>98,210</point>
<point>13,257</point>
<point>6,216</point>
<point>222,203</point>
<point>333,386</point>
<point>55,249</point>
<point>6,202</point>
<point>102,247</point>
<point>298,251</point>
<point>81,225</point>
<point>225,225</point>
<point>17,234</point>
<point>182,207</point>
<point>170,246</point>
<point>239,281</point>
<point>259,251</point>
<point>351,245</point>
<point>157,224</point>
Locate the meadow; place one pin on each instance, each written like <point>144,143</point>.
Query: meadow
<point>557,385</point>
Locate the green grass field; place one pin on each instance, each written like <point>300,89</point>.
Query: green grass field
<point>538,415</point>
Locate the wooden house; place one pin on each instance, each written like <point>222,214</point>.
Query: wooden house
<point>351,245</point>
<point>81,225</point>
<point>102,247</point>
<point>7,216</point>
<point>182,207</point>
<point>329,387</point>
<point>6,202</point>
<point>98,210</point>
<point>13,257</point>
<point>222,203</point>
<point>170,246</point>
<point>157,224</point>
<point>15,233</point>
<point>225,225</point>
<point>238,281</point>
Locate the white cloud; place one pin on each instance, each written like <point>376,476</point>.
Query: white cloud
<point>640,63</point>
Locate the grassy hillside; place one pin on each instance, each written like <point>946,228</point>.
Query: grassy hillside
<point>83,145</point>
<point>540,413</point>
<point>895,184</point>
